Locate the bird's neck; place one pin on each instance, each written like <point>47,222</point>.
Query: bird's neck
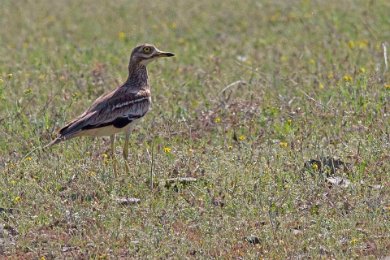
<point>138,76</point>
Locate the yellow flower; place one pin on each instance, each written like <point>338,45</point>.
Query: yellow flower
<point>17,199</point>
<point>353,241</point>
<point>283,144</point>
<point>10,75</point>
<point>230,147</point>
<point>13,182</point>
<point>362,70</point>
<point>387,86</point>
<point>314,166</point>
<point>43,258</point>
<point>289,122</point>
<point>347,78</point>
<point>362,44</point>
<point>330,75</point>
<point>105,159</point>
<point>312,61</point>
<point>242,137</point>
<point>321,86</point>
<point>167,150</point>
<point>217,120</point>
<point>122,36</point>
<point>29,158</point>
<point>351,44</point>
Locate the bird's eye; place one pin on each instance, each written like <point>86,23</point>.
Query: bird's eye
<point>147,50</point>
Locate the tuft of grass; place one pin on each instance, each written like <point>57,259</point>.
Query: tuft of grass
<point>256,90</point>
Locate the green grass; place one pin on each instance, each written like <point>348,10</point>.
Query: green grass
<point>315,86</point>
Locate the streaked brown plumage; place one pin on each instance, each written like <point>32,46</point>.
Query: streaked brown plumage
<point>118,110</point>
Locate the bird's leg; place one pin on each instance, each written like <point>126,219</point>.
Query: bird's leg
<point>126,147</point>
<point>126,151</point>
<point>112,139</point>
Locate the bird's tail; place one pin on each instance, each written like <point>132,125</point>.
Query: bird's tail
<point>55,141</point>
<point>69,131</point>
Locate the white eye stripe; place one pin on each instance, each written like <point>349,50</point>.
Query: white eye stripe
<point>128,103</point>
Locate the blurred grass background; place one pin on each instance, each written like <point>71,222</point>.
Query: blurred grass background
<point>309,80</point>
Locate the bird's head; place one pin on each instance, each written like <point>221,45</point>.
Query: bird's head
<point>146,53</point>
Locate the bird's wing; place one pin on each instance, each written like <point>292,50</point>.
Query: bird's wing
<point>117,108</point>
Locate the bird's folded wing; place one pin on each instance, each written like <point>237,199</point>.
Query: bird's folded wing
<point>118,110</point>
<point>119,114</point>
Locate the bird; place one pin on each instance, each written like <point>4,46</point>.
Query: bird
<point>119,110</point>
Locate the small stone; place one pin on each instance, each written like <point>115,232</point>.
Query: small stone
<point>338,181</point>
<point>296,231</point>
<point>127,201</point>
<point>253,240</point>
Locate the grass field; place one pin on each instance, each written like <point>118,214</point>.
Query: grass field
<point>256,90</point>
